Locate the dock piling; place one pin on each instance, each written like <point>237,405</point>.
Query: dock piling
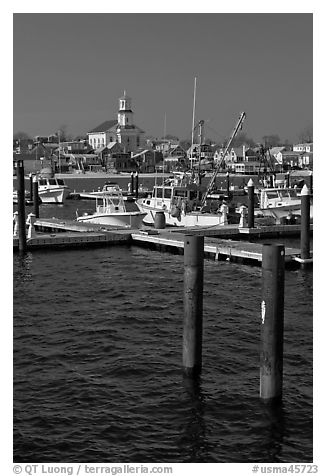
<point>21,205</point>
<point>132,182</point>
<point>272,323</point>
<point>228,184</point>
<point>193,304</point>
<point>305,223</point>
<point>251,204</point>
<point>136,185</point>
<point>31,186</point>
<point>30,223</point>
<point>36,200</point>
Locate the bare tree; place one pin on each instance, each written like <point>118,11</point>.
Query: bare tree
<point>271,140</point>
<point>306,135</point>
<point>21,135</point>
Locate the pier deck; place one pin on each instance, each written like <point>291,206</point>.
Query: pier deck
<point>214,248</point>
<point>221,243</point>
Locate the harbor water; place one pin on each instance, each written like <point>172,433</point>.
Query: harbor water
<point>98,354</point>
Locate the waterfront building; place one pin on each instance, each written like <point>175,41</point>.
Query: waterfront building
<point>121,130</point>
<point>147,160</point>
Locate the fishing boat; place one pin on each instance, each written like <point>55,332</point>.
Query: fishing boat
<point>50,188</point>
<point>110,210</point>
<point>179,198</point>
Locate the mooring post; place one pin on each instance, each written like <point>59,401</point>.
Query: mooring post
<point>228,184</point>
<point>36,204</point>
<point>305,223</point>
<point>21,206</point>
<point>288,179</point>
<point>136,185</point>
<point>193,304</point>
<point>31,186</point>
<point>272,323</point>
<point>132,182</point>
<point>251,204</point>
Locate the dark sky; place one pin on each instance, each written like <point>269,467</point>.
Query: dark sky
<point>70,69</point>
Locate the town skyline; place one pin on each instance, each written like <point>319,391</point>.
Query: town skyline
<point>242,62</point>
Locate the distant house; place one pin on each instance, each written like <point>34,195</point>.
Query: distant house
<point>176,150</point>
<point>121,130</point>
<point>23,146</point>
<point>75,147</point>
<point>289,159</point>
<point>304,147</point>
<point>240,159</point>
<point>276,153</point>
<point>306,160</point>
<point>204,150</point>
<point>147,160</point>
<point>164,145</point>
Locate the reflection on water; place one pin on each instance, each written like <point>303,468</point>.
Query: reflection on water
<point>193,437</point>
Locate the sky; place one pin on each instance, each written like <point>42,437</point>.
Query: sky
<point>69,69</point>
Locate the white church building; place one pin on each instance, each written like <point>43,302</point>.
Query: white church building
<point>121,130</point>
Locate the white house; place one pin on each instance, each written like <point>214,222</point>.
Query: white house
<point>305,147</point>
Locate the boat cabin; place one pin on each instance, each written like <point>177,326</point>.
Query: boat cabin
<point>53,182</point>
<point>277,197</point>
<point>111,200</point>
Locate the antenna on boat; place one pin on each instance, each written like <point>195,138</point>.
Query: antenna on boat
<point>193,123</point>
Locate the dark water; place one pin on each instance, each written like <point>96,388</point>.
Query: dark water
<point>97,361</point>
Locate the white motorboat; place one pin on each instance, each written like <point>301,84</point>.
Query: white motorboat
<point>111,210</point>
<point>50,188</point>
<point>278,202</point>
<point>180,200</point>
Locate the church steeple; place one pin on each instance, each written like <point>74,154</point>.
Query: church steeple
<point>125,114</point>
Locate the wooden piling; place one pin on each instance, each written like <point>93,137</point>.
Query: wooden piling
<point>251,204</point>
<point>193,304</point>
<point>228,184</point>
<point>132,182</point>
<point>288,179</point>
<point>136,185</point>
<point>36,204</point>
<point>305,223</point>
<point>31,186</point>
<point>21,206</point>
<point>272,323</point>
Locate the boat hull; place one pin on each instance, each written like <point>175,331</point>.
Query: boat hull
<point>54,195</point>
<point>191,219</point>
<point>133,220</point>
<point>280,212</point>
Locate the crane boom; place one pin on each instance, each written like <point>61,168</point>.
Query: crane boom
<point>226,150</point>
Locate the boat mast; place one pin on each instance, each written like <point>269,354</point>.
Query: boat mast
<point>59,152</point>
<point>234,133</point>
<point>201,123</point>
<point>193,123</point>
<point>164,137</point>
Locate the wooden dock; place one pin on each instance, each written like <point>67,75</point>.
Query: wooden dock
<point>221,243</point>
<point>215,248</point>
